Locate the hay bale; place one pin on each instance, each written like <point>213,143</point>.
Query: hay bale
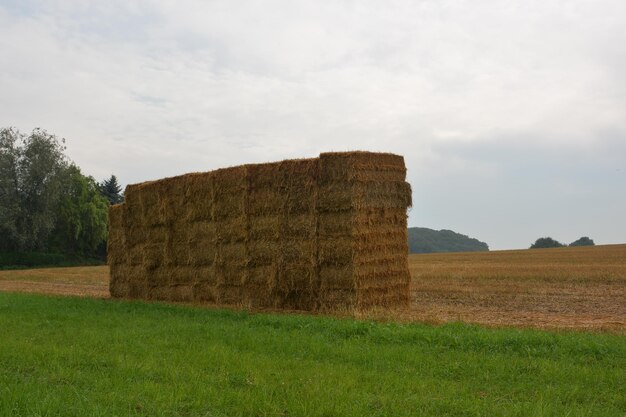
<point>323,233</point>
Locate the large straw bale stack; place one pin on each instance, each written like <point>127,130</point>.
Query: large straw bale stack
<point>323,233</point>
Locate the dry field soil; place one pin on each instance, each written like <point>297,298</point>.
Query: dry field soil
<point>566,288</point>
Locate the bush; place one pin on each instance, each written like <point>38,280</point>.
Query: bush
<point>546,242</point>
<point>583,241</point>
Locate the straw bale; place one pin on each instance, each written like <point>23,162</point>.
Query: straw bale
<point>373,194</point>
<point>132,206</point>
<point>303,226</point>
<point>337,251</point>
<point>321,233</point>
<point>116,216</point>
<point>116,247</point>
<point>122,272</point>
<point>337,277</point>
<point>229,192</point>
<point>336,300</point>
<point>135,255</point>
<point>171,193</point>
<point>300,277</point>
<point>182,275</point>
<point>229,205</point>
<point>119,289</point>
<point>171,293</point>
<point>134,235</point>
<point>333,168</point>
<point>180,292</point>
<point>265,201</point>
<point>265,228</point>
<point>230,274</point>
<point>202,254</point>
<point>299,251</point>
<point>150,207</point>
<point>137,288</point>
<point>233,254</point>
<point>160,277</point>
<point>331,225</point>
<point>228,294</point>
<point>177,255</point>
<point>201,231</point>
<point>198,197</point>
<point>153,254</point>
<point>204,291</point>
<point>231,230</point>
<point>378,173</point>
<point>258,296</point>
<point>263,252</point>
<point>159,293</point>
<point>262,275</point>
<point>335,196</point>
<point>263,176</point>
<point>205,274</point>
<point>383,297</point>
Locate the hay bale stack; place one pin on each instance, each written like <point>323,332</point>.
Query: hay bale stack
<point>362,230</point>
<point>310,234</point>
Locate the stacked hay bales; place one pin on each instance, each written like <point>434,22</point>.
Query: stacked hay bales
<point>362,230</point>
<point>321,233</point>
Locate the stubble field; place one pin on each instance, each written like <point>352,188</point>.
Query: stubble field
<point>568,288</point>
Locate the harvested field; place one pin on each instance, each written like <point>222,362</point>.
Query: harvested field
<point>88,281</point>
<point>569,288</point>
<point>578,288</point>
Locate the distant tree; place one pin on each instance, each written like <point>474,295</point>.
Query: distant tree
<point>583,241</point>
<point>81,218</point>
<point>111,190</point>
<point>424,240</point>
<point>546,242</point>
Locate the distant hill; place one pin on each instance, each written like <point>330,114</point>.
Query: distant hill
<point>423,240</point>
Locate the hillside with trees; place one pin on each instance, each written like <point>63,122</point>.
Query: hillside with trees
<point>424,240</point>
<point>50,212</point>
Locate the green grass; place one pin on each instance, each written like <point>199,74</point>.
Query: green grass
<point>71,356</point>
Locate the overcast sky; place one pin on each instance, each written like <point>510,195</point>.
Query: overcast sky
<point>511,115</point>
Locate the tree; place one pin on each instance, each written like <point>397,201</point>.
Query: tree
<point>30,187</point>
<point>9,189</point>
<point>46,203</point>
<point>546,242</point>
<point>583,241</point>
<point>81,218</point>
<point>111,190</point>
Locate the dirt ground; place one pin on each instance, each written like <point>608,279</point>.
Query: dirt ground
<point>570,288</point>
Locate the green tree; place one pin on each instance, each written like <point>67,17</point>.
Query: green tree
<point>31,168</point>
<point>546,242</point>
<point>111,190</point>
<point>81,218</point>
<point>583,241</point>
<point>9,189</point>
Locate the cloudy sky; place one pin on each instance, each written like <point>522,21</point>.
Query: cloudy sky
<point>511,115</point>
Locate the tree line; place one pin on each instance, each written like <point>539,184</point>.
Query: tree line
<point>46,203</point>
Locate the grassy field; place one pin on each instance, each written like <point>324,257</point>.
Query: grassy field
<point>68,356</point>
